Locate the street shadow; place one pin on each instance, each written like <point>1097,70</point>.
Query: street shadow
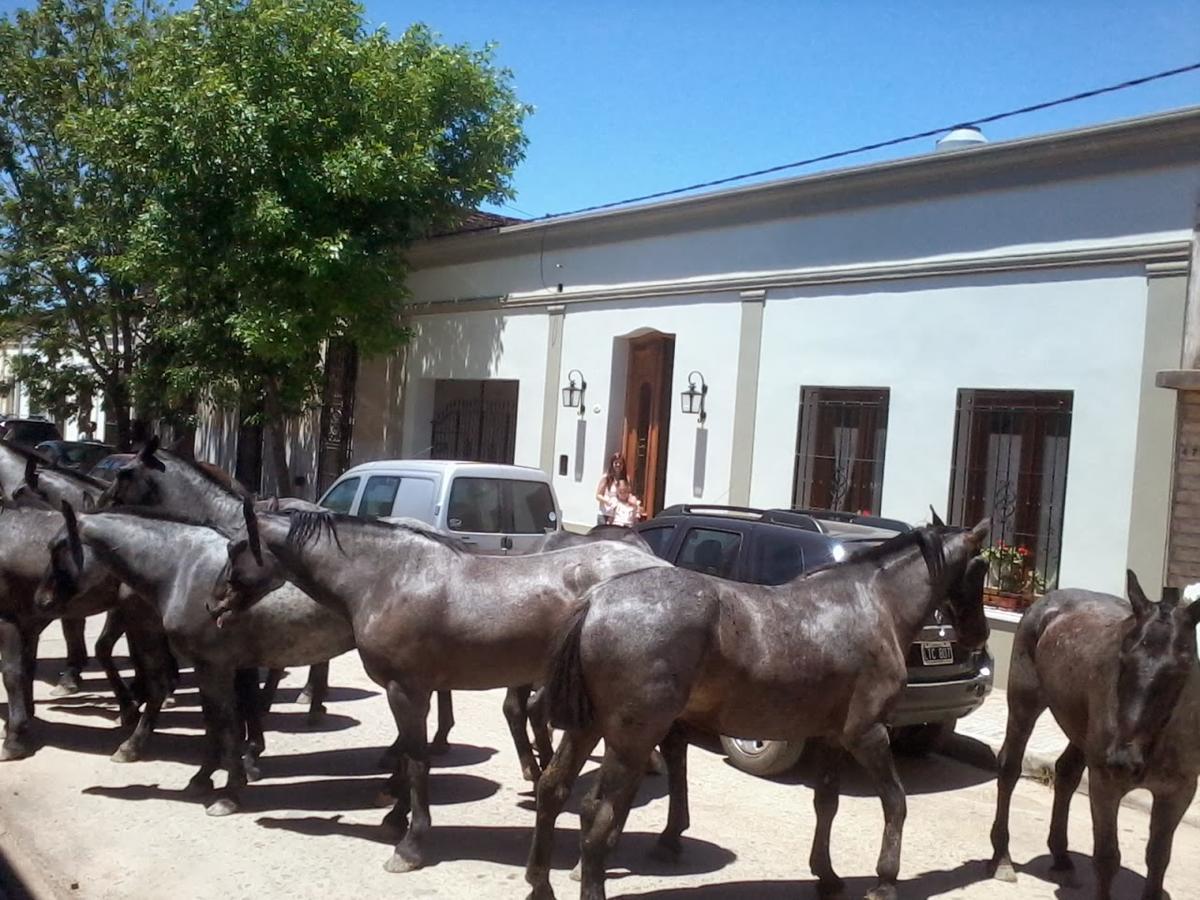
<point>1081,882</point>
<point>180,748</point>
<point>652,788</point>
<point>322,795</point>
<point>336,695</point>
<point>920,775</point>
<point>509,845</point>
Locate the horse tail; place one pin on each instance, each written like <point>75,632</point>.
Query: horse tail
<point>566,695</point>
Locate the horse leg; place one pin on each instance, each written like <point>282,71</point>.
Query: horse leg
<point>1024,706</point>
<point>114,627</point>
<point>539,723</point>
<point>218,684</point>
<point>441,738</point>
<point>200,784</point>
<point>153,655</point>
<point>1105,798</point>
<point>553,789</point>
<point>826,797</point>
<point>1165,816</point>
<point>674,751</point>
<point>20,708</point>
<point>245,685</point>
<point>410,707</point>
<point>77,657</point>
<point>317,689</point>
<point>603,819</point>
<point>1068,772</point>
<point>875,755</point>
<point>516,715</point>
<point>266,697</point>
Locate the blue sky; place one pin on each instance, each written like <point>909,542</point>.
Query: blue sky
<point>639,97</point>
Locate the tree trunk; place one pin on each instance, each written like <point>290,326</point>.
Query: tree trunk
<point>115,405</point>
<point>277,428</point>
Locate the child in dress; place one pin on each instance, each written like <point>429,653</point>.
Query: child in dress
<point>626,508</point>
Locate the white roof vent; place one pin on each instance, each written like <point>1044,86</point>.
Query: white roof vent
<point>961,137</point>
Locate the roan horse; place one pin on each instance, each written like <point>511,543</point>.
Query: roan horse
<point>1123,681</point>
<point>820,658</point>
<point>426,615</point>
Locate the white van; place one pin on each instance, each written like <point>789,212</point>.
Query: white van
<point>492,507</point>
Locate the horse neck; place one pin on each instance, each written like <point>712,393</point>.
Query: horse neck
<point>905,590</point>
<point>12,468</point>
<point>144,553</point>
<point>58,487</point>
<point>24,534</point>
<point>187,492</point>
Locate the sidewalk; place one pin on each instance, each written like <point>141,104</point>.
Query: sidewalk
<point>978,738</point>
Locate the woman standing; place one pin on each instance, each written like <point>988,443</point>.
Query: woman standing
<point>606,490</point>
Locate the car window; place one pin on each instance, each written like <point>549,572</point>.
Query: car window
<point>415,499</point>
<point>778,558</point>
<point>710,551</point>
<point>532,507</point>
<point>474,505</point>
<point>658,537</point>
<point>379,495</point>
<point>341,495</point>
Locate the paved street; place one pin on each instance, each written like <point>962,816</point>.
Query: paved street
<point>76,824</point>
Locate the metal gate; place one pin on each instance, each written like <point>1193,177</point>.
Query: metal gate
<point>474,421</point>
<point>337,413</point>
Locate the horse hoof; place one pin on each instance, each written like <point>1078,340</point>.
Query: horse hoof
<point>1003,871</point>
<point>305,695</point>
<point>399,863</point>
<point>666,849</point>
<point>198,787</point>
<point>831,888</point>
<point>66,687</point>
<point>577,872</point>
<point>315,715</point>
<point>882,892</point>
<point>253,772</point>
<point>439,747</point>
<point>222,807</point>
<point>541,892</point>
<point>126,754</point>
<point>170,702</point>
<point>14,750</point>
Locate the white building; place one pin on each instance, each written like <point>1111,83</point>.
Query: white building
<point>978,329</point>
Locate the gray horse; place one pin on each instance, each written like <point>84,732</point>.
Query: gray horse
<point>145,549</point>
<point>426,615</point>
<point>821,658</point>
<point>1133,720</point>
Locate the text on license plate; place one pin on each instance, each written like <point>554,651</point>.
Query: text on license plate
<point>937,653</point>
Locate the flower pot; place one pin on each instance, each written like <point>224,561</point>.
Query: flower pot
<point>1010,600</point>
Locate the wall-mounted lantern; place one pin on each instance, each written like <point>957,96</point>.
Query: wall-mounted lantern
<point>572,394</point>
<point>691,401</point>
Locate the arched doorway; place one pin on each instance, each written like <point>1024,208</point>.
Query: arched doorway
<point>647,421</point>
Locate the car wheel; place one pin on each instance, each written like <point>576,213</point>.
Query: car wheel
<point>921,740</point>
<point>762,758</point>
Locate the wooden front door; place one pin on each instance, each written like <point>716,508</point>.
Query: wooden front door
<point>648,417</point>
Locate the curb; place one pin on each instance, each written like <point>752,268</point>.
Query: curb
<point>1040,767</point>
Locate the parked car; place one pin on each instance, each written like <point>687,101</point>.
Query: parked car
<point>773,546</point>
<point>28,432</point>
<point>81,456</point>
<point>495,508</point>
<point>106,469</point>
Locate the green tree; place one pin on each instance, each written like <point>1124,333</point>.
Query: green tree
<point>289,156</point>
<point>62,217</point>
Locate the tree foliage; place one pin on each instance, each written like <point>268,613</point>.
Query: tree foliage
<point>63,218</point>
<point>287,156</point>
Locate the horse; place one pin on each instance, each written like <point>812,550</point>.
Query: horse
<point>1133,720</point>
<point>427,616</point>
<point>144,548</point>
<point>820,658</point>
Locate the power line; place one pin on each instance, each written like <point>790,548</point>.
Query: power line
<point>930,132</point>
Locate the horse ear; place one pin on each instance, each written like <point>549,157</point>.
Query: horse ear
<point>937,520</point>
<point>73,540</point>
<point>31,475</point>
<point>147,454</point>
<point>252,530</point>
<point>979,533</point>
<point>1137,597</point>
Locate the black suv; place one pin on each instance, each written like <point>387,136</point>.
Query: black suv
<point>945,680</point>
<point>29,432</point>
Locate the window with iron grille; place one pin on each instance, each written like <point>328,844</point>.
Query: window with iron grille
<point>1010,465</point>
<point>841,439</point>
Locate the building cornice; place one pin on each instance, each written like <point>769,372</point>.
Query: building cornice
<point>1156,257</point>
<point>1146,143</point>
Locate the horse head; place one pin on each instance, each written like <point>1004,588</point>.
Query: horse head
<point>250,572</point>
<point>138,482</point>
<point>965,572</point>
<point>72,571</point>
<point>1157,655</point>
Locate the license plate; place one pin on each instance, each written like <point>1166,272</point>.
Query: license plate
<point>937,653</point>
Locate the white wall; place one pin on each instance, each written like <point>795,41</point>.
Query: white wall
<point>698,457</point>
<point>1081,331</point>
<point>477,345</point>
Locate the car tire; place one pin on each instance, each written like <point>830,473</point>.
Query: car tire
<point>921,740</point>
<point>762,758</point>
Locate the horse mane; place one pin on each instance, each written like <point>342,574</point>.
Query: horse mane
<point>309,525</point>
<point>927,538</point>
<point>211,473</point>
